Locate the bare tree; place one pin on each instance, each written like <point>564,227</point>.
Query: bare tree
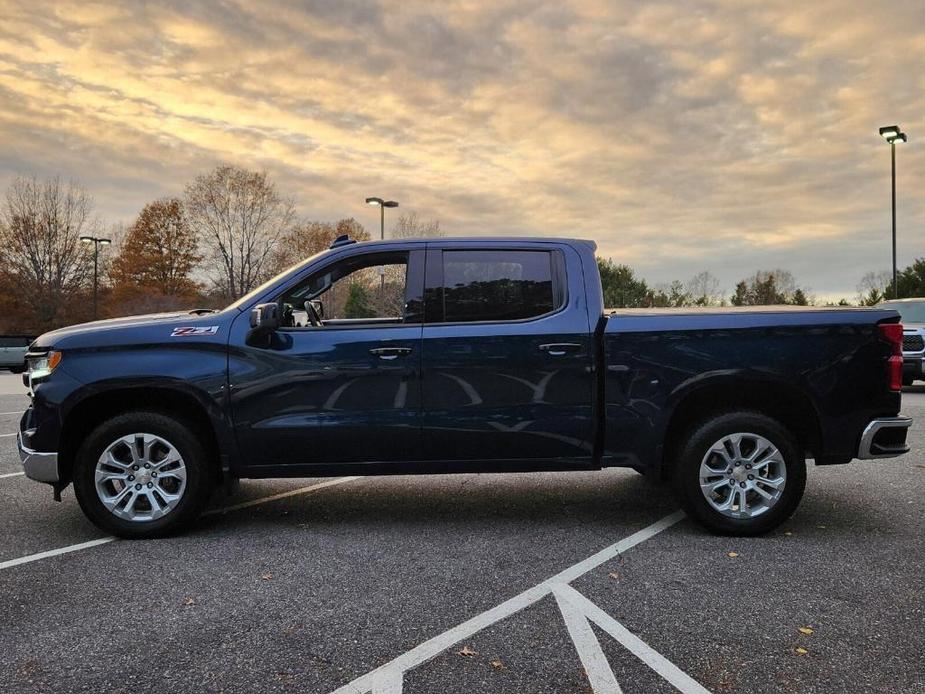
<point>308,238</point>
<point>873,287</point>
<point>41,223</point>
<point>704,289</point>
<point>239,217</point>
<point>409,226</point>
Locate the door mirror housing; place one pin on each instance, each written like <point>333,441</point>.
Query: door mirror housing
<point>265,321</point>
<point>265,317</point>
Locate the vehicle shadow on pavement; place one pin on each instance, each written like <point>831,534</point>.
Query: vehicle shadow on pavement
<point>534,498</point>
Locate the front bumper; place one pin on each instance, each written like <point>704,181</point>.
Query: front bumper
<point>884,437</point>
<point>39,466</point>
<point>914,367</point>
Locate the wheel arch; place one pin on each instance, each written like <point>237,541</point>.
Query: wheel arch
<point>780,400</point>
<point>90,411</point>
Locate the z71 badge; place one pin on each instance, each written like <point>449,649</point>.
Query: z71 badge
<point>194,330</point>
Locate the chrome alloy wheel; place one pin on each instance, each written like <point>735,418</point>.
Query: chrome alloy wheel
<point>743,475</point>
<point>140,477</point>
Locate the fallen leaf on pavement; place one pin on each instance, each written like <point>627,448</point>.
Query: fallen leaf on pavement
<point>800,650</point>
<point>189,601</point>
<point>266,576</point>
<point>468,652</point>
<point>497,664</point>
<point>732,554</point>
<point>614,575</point>
<point>788,533</point>
<point>805,630</point>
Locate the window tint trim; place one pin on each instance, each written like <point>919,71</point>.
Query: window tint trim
<point>557,273</point>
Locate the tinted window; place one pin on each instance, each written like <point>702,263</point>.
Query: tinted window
<point>15,341</point>
<point>496,285</point>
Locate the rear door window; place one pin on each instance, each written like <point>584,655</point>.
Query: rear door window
<point>497,285</point>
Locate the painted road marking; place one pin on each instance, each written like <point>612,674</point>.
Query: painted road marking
<point>11,474</point>
<point>573,602</point>
<point>592,657</point>
<point>388,677</point>
<point>55,552</point>
<point>3,436</point>
<point>29,558</point>
<point>16,412</point>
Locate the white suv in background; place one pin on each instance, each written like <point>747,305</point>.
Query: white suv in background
<point>913,318</point>
<point>13,350</point>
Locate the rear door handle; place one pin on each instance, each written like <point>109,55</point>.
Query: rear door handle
<point>558,349</point>
<point>389,353</point>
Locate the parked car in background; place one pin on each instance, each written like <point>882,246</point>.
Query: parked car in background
<point>13,350</point>
<point>460,355</point>
<point>912,312</point>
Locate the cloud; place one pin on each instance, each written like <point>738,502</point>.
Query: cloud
<point>712,135</point>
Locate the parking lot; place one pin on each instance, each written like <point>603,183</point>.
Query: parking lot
<point>553,582</point>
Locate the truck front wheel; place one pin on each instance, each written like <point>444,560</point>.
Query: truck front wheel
<point>739,473</point>
<point>142,475</point>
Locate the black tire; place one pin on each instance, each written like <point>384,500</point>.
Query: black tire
<point>698,441</point>
<point>17,369</point>
<point>199,474</point>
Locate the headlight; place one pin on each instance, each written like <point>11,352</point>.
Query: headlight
<point>41,364</point>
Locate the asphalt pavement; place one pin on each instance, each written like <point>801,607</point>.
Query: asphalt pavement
<point>543,582</point>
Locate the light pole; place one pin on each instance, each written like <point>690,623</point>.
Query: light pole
<point>892,134</point>
<point>382,204</point>
<point>97,242</point>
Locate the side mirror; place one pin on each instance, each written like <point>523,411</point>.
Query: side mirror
<point>265,317</point>
<point>264,322</point>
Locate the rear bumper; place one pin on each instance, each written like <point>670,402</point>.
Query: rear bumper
<point>884,437</point>
<point>39,466</point>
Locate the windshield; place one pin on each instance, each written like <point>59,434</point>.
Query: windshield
<point>253,293</point>
<point>909,311</point>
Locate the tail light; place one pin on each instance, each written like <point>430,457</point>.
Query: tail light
<point>893,334</point>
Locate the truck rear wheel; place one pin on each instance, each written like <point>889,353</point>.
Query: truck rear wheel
<point>142,475</point>
<point>739,473</point>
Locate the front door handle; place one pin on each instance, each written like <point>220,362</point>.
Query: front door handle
<point>558,349</point>
<point>390,353</point>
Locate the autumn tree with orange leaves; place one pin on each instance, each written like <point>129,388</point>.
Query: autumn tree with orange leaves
<point>157,257</point>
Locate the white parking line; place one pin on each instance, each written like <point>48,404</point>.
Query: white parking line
<point>388,677</point>
<point>11,474</point>
<point>590,653</point>
<point>16,412</point>
<point>3,436</point>
<point>281,495</point>
<point>234,507</point>
<point>55,552</point>
<point>579,606</point>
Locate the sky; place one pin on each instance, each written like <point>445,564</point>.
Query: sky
<point>721,135</point>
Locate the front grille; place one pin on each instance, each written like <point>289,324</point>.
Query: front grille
<point>913,343</point>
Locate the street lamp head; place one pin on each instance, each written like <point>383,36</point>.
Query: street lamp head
<point>899,138</point>
<point>889,131</point>
<point>374,201</point>
<point>105,242</point>
<point>87,239</point>
<point>390,203</point>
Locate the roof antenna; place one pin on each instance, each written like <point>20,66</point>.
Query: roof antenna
<point>342,240</point>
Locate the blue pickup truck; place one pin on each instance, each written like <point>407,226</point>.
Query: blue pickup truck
<point>457,355</point>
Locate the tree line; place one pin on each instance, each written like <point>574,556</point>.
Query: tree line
<point>623,289</point>
<point>228,232</point>
<point>231,229</point>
